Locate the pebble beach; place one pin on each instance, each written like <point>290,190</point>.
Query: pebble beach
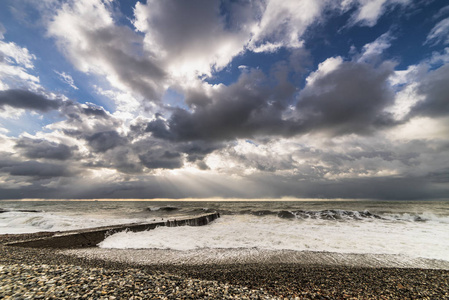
<point>30,273</point>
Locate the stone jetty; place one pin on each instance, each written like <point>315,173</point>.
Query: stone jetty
<point>90,237</point>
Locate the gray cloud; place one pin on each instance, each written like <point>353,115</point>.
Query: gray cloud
<point>192,36</point>
<point>141,74</point>
<point>350,99</point>
<point>123,159</point>
<point>27,100</point>
<point>35,169</point>
<point>39,148</point>
<point>387,188</point>
<point>435,88</point>
<point>243,109</point>
<point>162,159</point>
<point>96,45</point>
<point>198,150</point>
<point>260,186</point>
<point>94,110</point>
<point>105,140</point>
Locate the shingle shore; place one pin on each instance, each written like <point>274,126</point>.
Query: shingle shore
<point>72,282</point>
<point>44,274</point>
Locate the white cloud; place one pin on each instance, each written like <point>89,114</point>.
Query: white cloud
<point>438,58</point>
<point>267,47</point>
<point>67,79</point>
<point>439,33</point>
<point>369,11</point>
<point>2,31</point>
<point>86,33</point>
<point>405,99</point>
<point>14,54</point>
<point>284,22</point>
<point>327,66</point>
<point>126,105</point>
<point>191,38</point>
<point>372,51</point>
<point>422,128</point>
<point>15,64</point>
<point>194,39</point>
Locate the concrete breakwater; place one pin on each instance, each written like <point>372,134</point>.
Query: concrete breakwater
<point>90,237</point>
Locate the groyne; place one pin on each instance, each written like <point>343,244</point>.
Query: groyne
<point>85,238</point>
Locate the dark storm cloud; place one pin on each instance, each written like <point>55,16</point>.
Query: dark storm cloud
<point>122,159</point>
<point>350,99</point>
<point>39,148</point>
<point>161,159</point>
<point>196,98</point>
<point>184,25</point>
<point>143,149</point>
<point>27,100</point>
<point>35,169</point>
<point>386,188</point>
<point>435,89</point>
<point>159,128</point>
<point>105,140</point>
<point>198,150</point>
<point>240,110</point>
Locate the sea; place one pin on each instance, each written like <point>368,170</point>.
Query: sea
<point>417,229</point>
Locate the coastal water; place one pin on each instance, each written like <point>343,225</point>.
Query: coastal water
<point>415,229</point>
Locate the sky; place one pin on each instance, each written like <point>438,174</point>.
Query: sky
<point>230,99</point>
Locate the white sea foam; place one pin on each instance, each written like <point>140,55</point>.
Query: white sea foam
<point>428,239</point>
<point>14,222</point>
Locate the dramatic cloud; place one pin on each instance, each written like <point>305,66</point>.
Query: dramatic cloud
<point>240,110</point>
<point>349,99</point>
<point>87,35</point>
<point>191,38</point>
<point>38,148</point>
<point>27,100</point>
<point>161,159</point>
<point>35,169</point>
<point>340,98</point>
<point>218,98</point>
<point>435,89</point>
<point>103,141</point>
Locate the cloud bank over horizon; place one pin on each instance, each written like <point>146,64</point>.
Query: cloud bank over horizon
<point>232,99</point>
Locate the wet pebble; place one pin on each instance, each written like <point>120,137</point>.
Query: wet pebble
<point>19,281</point>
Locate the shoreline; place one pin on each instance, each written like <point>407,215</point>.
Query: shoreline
<point>22,271</point>
<point>219,256</point>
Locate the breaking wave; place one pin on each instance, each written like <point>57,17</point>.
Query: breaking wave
<point>163,208</point>
<point>339,215</point>
<point>319,231</point>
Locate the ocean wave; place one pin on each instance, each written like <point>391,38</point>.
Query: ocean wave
<point>339,215</point>
<point>330,214</point>
<point>273,233</point>
<point>418,217</point>
<point>163,208</point>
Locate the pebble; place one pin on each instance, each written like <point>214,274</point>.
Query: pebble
<point>21,281</point>
<point>27,273</point>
